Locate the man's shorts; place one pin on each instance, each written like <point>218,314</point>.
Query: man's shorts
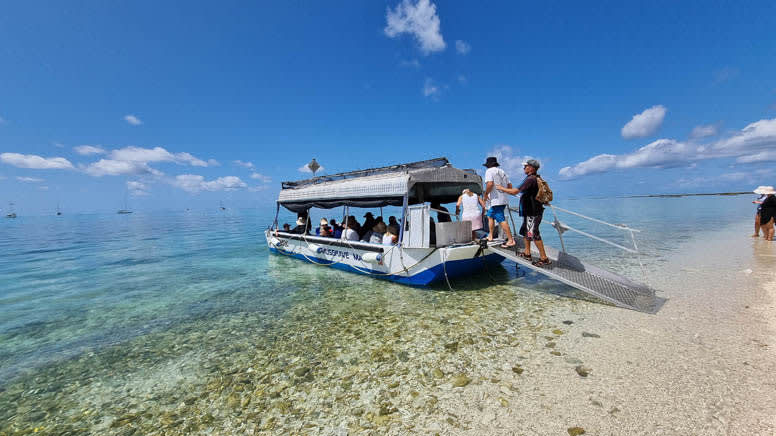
<point>497,213</point>
<point>530,228</point>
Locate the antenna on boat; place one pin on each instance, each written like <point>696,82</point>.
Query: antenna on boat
<point>314,166</point>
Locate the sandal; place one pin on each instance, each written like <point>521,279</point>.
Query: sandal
<point>542,262</point>
<point>505,245</point>
<point>524,256</point>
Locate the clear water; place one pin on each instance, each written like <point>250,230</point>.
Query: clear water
<point>182,322</point>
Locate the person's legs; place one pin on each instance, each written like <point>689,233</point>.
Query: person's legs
<point>510,239</point>
<point>491,228</point>
<point>768,230</point>
<point>756,225</point>
<point>540,246</point>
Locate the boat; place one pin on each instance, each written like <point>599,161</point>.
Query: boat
<point>221,205</point>
<point>126,209</point>
<point>415,259</point>
<point>11,213</point>
<point>59,212</point>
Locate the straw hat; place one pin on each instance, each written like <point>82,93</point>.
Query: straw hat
<point>760,189</point>
<point>768,190</point>
<point>300,221</point>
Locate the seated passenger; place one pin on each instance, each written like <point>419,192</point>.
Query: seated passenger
<point>369,222</point>
<point>350,233</point>
<point>301,227</point>
<point>326,231</point>
<point>392,221</point>
<point>444,215</point>
<point>323,222</point>
<point>377,233</point>
<point>391,236</point>
<point>286,227</point>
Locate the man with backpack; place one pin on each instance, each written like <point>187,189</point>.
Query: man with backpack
<point>535,193</point>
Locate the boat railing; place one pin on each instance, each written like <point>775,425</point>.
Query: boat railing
<point>561,228</point>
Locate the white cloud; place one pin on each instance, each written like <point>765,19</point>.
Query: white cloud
<point>704,131</point>
<point>431,90</point>
<point>509,161</point>
<point>418,19</point>
<point>213,163</point>
<point>645,123</point>
<point>36,162</point>
<point>86,150</point>
<point>131,119</point>
<point>29,179</point>
<point>243,164</point>
<point>111,167</point>
<point>754,143</point>
<point>196,183</point>
<point>156,154</point>
<point>138,189</point>
<point>261,177</point>
<point>462,47</point>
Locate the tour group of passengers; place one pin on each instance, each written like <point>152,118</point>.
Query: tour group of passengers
<point>470,207</point>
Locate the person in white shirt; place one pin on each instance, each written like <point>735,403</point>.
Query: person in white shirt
<point>350,233</point>
<point>498,200</point>
<point>471,203</point>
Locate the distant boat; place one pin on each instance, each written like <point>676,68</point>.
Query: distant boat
<point>59,212</point>
<point>221,205</point>
<point>11,213</point>
<point>126,210</point>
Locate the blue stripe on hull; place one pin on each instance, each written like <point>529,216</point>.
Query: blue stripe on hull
<point>455,268</point>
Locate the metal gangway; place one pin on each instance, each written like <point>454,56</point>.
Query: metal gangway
<point>598,282</point>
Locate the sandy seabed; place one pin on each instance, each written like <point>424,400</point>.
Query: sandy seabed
<point>705,364</point>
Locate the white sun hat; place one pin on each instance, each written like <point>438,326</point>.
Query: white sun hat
<point>768,190</point>
<point>759,189</point>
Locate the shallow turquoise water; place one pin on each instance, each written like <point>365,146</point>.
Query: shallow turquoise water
<point>120,323</point>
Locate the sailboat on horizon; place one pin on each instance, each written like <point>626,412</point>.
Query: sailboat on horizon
<point>126,210</point>
<point>11,213</point>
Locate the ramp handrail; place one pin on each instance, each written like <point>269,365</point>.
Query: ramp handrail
<point>562,228</point>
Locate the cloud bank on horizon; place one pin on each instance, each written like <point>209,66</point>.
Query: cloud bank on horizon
<point>754,143</point>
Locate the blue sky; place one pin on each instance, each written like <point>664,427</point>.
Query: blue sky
<point>102,98</point>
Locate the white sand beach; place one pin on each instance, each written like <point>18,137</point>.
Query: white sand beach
<point>703,365</point>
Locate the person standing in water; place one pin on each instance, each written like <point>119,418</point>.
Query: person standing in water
<point>759,203</point>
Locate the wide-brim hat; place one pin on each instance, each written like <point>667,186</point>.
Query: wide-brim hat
<point>368,214</point>
<point>324,222</point>
<point>768,190</point>
<point>760,189</point>
<point>491,161</point>
<point>300,221</point>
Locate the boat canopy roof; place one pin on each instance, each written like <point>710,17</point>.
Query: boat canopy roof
<point>428,180</point>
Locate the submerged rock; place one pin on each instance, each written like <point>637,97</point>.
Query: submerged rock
<point>567,322</point>
<point>555,353</point>
<point>452,347</point>
<point>582,371</point>
<point>575,431</point>
<point>460,380</point>
<point>557,332</point>
<point>517,370</point>
<point>590,335</point>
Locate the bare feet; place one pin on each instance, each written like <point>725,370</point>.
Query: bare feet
<point>755,236</point>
